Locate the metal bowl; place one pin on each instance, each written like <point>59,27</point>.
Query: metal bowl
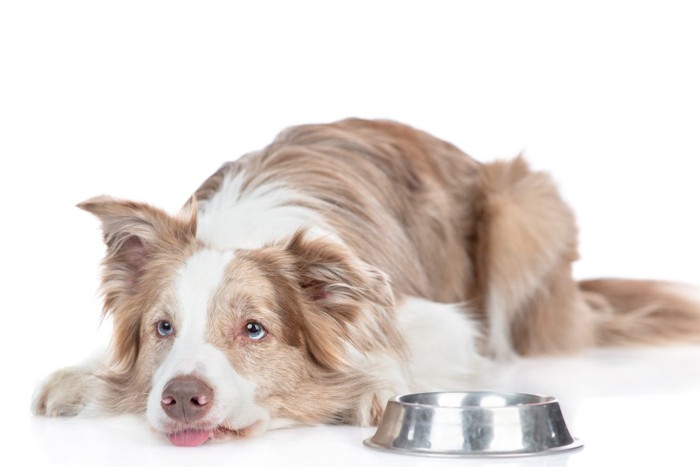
<point>465,424</point>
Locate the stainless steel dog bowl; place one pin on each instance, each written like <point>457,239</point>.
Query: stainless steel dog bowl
<point>472,424</point>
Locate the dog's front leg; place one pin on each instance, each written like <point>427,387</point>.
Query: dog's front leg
<point>72,390</point>
<point>66,392</point>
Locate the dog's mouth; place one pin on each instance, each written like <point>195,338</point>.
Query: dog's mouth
<point>197,437</point>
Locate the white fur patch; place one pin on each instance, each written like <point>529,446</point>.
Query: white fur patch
<point>443,344</point>
<point>443,354</point>
<point>685,291</point>
<point>500,341</point>
<point>234,396</point>
<point>233,218</point>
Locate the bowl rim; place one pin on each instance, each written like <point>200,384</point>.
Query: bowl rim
<point>544,400</point>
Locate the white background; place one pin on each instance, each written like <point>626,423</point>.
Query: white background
<point>143,100</point>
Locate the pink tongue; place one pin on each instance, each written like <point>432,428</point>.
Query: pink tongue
<point>189,438</point>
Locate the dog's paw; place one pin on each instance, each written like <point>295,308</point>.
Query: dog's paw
<point>371,407</point>
<point>64,393</point>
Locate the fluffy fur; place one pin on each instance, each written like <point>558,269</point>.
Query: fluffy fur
<point>345,263</point>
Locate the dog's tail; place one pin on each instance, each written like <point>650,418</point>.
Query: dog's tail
<point>629,312</point>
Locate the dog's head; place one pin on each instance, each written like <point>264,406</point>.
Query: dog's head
<point>212,343</point>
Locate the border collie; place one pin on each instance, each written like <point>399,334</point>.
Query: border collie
<point>343,264</point>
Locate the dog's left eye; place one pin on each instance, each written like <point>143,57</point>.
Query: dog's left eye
<point>255,330</point>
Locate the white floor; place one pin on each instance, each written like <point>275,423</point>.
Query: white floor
<point>629,406</point>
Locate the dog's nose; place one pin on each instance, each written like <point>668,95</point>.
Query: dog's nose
<point>186,399</point>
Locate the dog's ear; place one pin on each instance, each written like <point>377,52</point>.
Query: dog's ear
<point>350,302</point>
<point>135,233</point>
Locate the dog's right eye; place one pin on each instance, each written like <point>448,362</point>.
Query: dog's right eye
<point>164,328</point>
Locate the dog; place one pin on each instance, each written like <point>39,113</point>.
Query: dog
<point>343,264</point>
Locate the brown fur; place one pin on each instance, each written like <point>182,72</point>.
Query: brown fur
<point>401,198</point>
<point>526,242</point>
<point>630,312</point>
<point>449,229</point>
<point>306,290</point>
<point>417,217</point>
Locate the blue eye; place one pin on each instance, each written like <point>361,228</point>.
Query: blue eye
<point>164,328</point>
<point>254,330</point>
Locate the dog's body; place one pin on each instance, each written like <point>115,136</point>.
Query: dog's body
<point>344,263</point>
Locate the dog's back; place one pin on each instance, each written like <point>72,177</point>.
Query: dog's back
<point>447,228</point>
